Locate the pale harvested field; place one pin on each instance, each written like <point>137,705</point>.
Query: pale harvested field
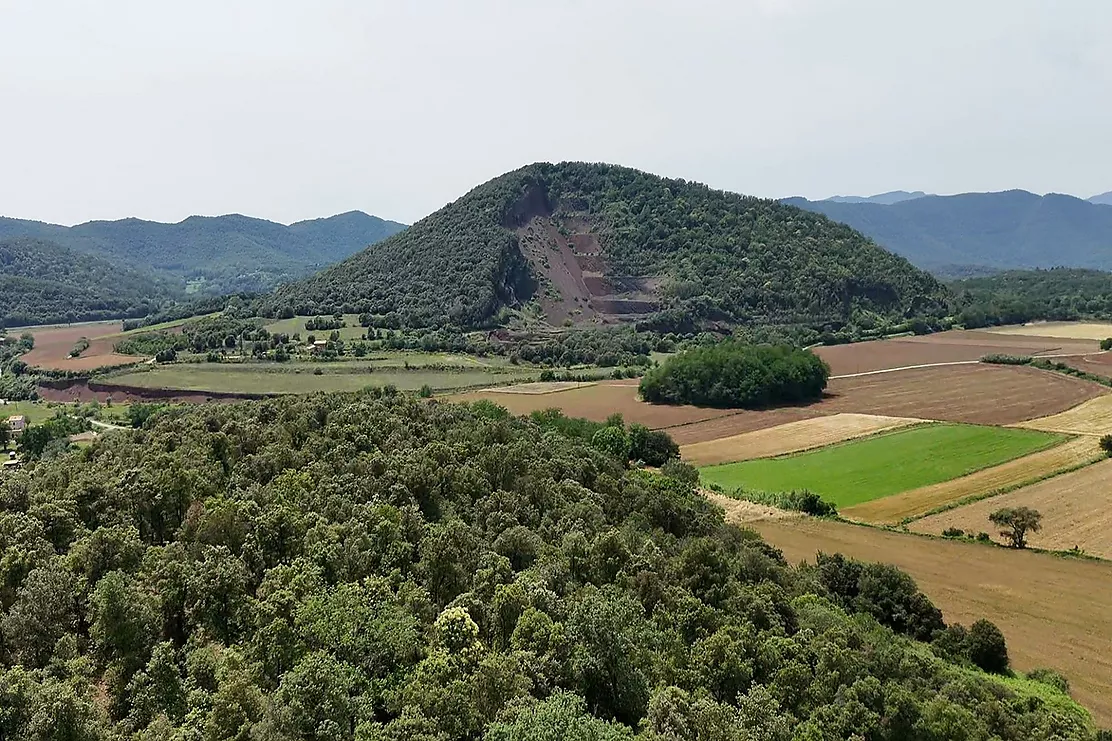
<point>541,387</point>
<point>791,437</point>
<point>1055,612</point>
<point>1029,469</point>
<point>1076,509</point>
<point>943,347</point>
<point>53,345</point>
<point>741,512</point>
<point>1064,330</point>
<point>1094,417</point>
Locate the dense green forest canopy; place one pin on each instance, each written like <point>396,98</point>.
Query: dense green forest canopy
<point>714,256</point>
<point>1008,230</point>
<point>357,567</point>
<point>42,283</point>
<point>221,254</point>
<point>737,376</point>
<point>1018,296</point>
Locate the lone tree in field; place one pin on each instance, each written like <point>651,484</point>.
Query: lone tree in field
<point>1015,522</point>
<point>1106,444</point>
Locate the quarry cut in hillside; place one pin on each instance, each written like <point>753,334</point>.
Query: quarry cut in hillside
<point>575,283</point>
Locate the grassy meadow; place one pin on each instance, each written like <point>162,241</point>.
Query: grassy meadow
<point>885,464</point>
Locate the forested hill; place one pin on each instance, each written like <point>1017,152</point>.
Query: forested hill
<point>595,243</point>
<point>1012,229</point>
<point>230,253</point>
<point>355,568</point>
<point>42,282</point>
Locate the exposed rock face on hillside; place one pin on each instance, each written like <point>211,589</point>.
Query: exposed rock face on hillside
<point>591,243</point>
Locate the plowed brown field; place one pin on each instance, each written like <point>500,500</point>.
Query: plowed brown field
<point>792,437</point>
<point>1094,417</point>
<point>53,345</point>
<point>944,347</point>
<point>978,394</point>
<point>1055,612</point>
<point>1029,469</point>
<point>1076,511</point>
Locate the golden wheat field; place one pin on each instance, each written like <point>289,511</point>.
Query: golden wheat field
<point>1061,330</point>
<point>1093,417</point>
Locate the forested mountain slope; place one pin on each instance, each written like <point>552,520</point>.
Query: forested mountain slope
<point>230,253</point>
<point>601,243</point>
<point>1013,229</point>
<point>379,569</point>
<point>42,282</point>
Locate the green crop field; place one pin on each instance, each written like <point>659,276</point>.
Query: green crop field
<point>301,378</point>
<point>879,466</point>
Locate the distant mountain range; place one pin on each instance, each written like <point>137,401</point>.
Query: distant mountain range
<point>220,254</point>
<point>977,232</point>
<point>1105,199</point>
<point>886,199</point>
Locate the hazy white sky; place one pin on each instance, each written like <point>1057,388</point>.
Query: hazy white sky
<point>289,110</point>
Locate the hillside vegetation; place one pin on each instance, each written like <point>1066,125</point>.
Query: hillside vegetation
<point>593,242</point>
<point>335,567</point>
<point>1018,296</point>
<point>1012,229</point>
<point>42,283</point>
<point>222,254</point>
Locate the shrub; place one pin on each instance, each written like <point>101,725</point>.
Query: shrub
<point>1106,444</point>
<point>953,532</point>
<point>654,447</point>
<point>425,392</point>
<point>807,502</point>
<point>998,359</point>
<point>734,375</point>
<point>1051,678</point>
<point>986,647</point>
<point>612,441</point>
<point>983,537</point>
<point>681,471</point>
<point>1106,343</point>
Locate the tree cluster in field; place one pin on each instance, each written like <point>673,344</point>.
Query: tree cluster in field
<point>737,376</point>
<point>807,502</point>
<point>224,332</point>
<point>324,323</point>
<point>382,567</point>
<point>43,283</point>
<point>1018,296</point>
<point>728,258</point>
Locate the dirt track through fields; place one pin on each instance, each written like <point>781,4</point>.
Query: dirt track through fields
<point>1094,417</point>
<point>1055,612</point>
<point>790,438</point>
<point>1076,510</point>
<point>893,510</point>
